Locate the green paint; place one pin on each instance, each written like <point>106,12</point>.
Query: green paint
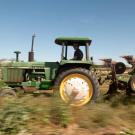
<point>31,84</point>
<point>75,62</point>
<point>45,85</point>
<point>70,41</point>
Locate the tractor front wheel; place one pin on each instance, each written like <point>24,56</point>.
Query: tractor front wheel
<point>7,92</point>
<point>77,86</point>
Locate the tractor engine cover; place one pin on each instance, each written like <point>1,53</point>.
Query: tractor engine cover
<point>120,68</point>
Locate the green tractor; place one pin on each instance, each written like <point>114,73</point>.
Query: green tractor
<point>73,79</point>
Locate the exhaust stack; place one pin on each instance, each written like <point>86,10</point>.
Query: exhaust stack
<point>31,53</point>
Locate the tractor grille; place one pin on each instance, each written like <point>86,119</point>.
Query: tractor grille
<point>14,75</point>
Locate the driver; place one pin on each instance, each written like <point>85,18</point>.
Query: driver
<point>78,54</point>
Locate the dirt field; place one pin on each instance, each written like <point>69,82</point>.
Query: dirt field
<point>47,115</point>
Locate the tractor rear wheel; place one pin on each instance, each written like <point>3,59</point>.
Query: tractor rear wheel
<point>77,86</point>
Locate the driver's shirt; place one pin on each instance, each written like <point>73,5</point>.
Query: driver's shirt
<point>78,55</point>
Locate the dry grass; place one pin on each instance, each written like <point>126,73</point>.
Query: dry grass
<point>42,115</point>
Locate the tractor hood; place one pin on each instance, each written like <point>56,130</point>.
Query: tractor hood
<point>26,65</point>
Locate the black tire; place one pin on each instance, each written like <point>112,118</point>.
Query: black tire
<point>120,68</point>
<point>91,79</point>
<point>131,83</point>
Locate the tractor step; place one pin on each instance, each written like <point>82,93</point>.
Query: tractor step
<point>43,92</point>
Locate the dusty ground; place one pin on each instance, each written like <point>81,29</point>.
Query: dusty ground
<point>43,115</point>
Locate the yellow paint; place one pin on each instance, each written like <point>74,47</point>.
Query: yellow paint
<point>80,102</point>
<point>133,84</point>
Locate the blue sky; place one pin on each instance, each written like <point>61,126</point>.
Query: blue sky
<point>109,23</point>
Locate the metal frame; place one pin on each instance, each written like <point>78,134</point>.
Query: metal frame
<point>87,51</point>
<point>65,50</point>
<point>62,53</point>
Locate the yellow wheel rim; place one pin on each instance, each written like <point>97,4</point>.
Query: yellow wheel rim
<point>76,89</point>
<point>133,84</point>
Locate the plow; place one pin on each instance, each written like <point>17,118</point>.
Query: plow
<point>76,82</point>
<point>121,77</point>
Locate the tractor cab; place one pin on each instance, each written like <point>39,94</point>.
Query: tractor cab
<point>69,44</point>
<point>76,83</point>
